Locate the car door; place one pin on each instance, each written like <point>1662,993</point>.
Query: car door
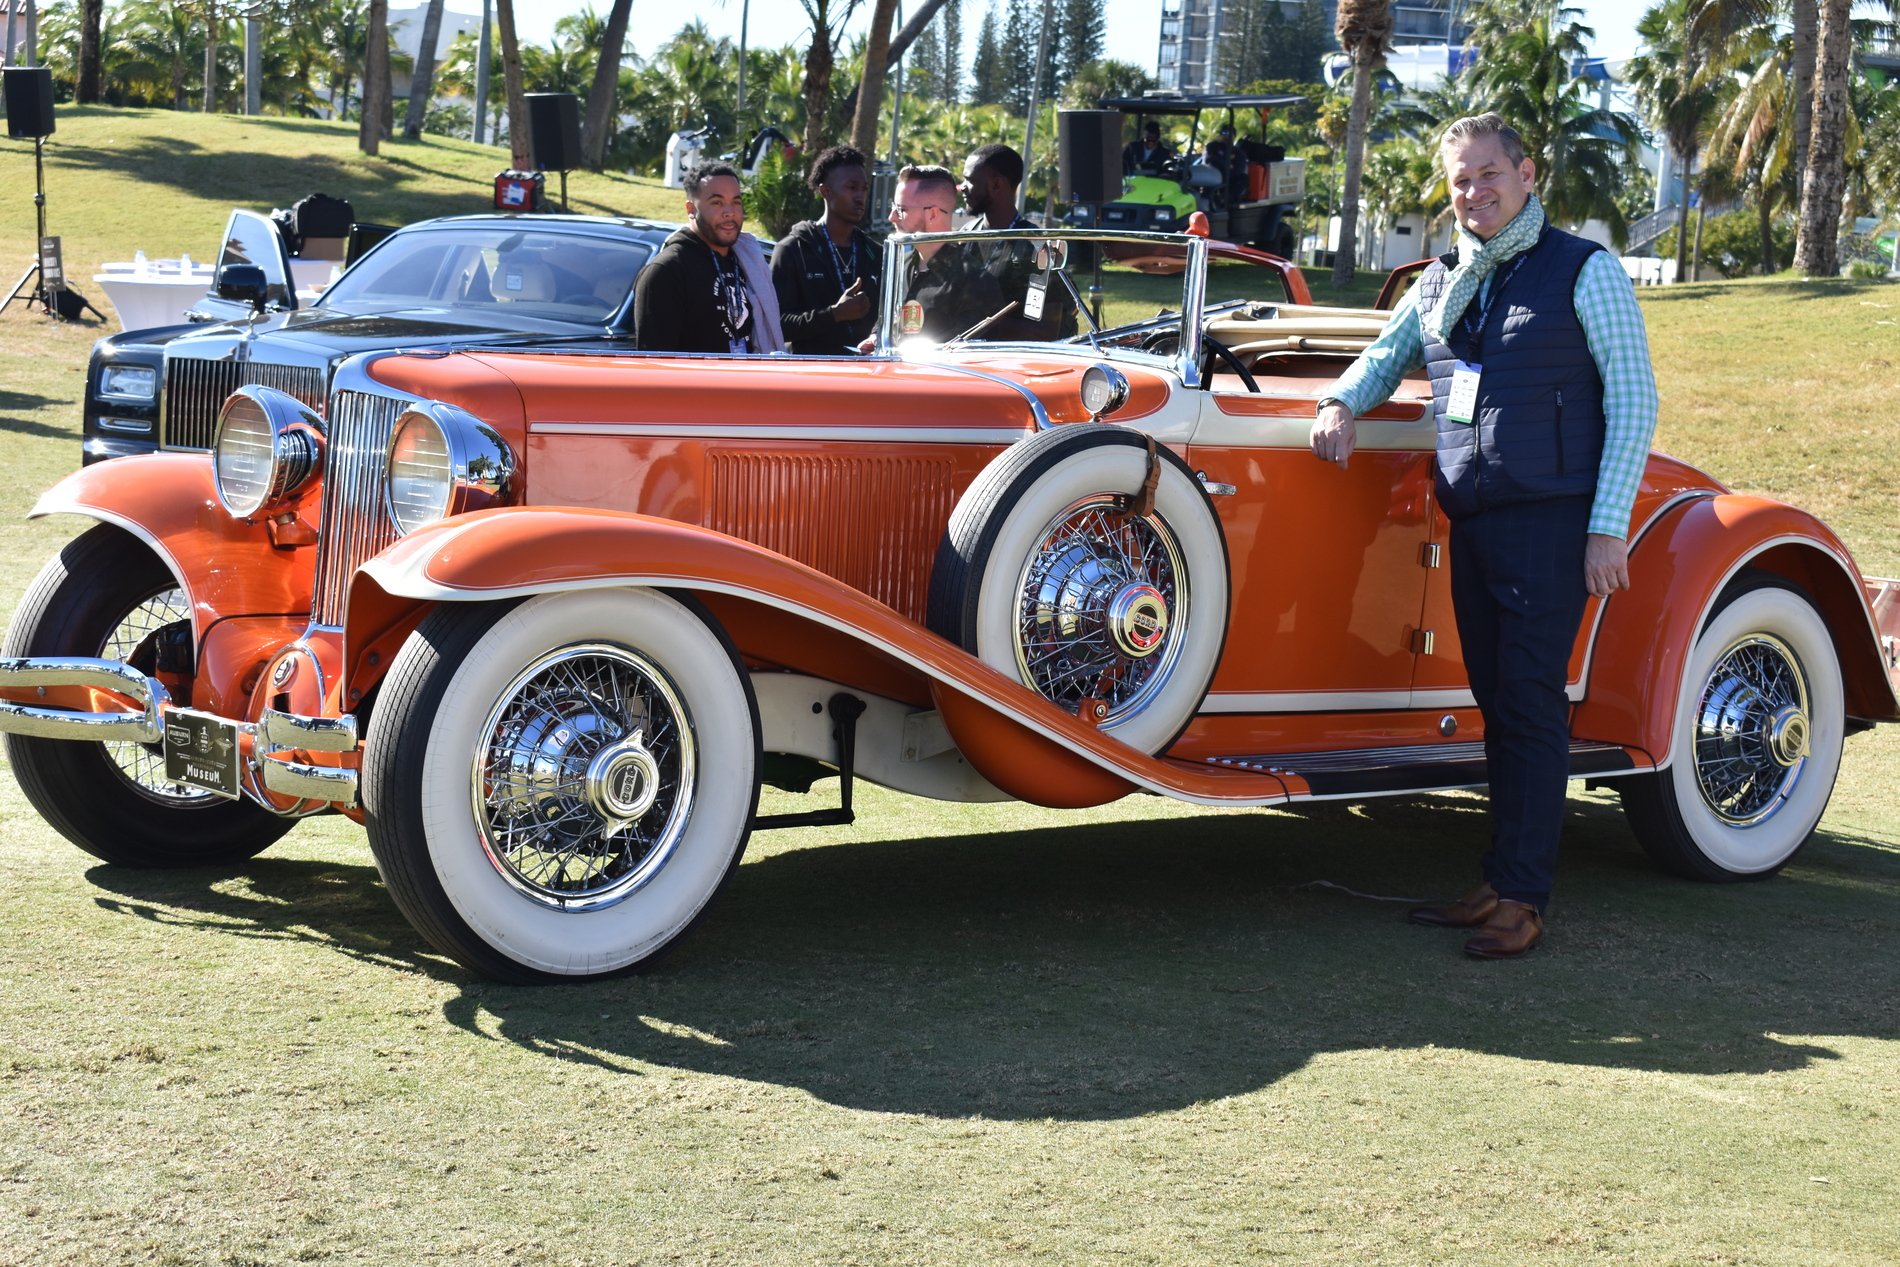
<point>250,238</point>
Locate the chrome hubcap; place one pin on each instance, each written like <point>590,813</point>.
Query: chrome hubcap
<point>584,783</point>
<point>1099,608</point>
<point>1752,732</point>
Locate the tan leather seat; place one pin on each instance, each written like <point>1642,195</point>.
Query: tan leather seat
<point>523,281</point>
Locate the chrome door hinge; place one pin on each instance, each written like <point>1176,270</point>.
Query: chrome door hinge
<point>1422,642</point>
<point>1428,555</point>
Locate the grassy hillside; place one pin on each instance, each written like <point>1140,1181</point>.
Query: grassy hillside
<point>1143,1034</point>
<point>163,182</point>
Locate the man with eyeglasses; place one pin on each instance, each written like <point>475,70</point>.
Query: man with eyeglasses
<point>946,288</point>
<point>708,289</point>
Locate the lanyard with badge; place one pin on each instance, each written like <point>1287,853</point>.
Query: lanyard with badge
<point>1461,405</point>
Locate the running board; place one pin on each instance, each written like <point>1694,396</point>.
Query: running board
<point>1415,768</point>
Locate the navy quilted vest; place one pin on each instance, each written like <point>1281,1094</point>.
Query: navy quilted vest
<point>1538,430</point>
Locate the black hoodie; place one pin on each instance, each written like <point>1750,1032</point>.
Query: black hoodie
<point>805,273</point>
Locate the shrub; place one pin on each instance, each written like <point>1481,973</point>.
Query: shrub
<point>779,196</point>
<point>1731,243</point>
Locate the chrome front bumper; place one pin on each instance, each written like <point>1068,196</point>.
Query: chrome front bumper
<point>275,735</point>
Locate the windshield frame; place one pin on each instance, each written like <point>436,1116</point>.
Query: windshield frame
<point>1186,360</point>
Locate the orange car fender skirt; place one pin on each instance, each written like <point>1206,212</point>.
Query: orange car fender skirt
<point>1679,569</point>
<point>1029,766</point>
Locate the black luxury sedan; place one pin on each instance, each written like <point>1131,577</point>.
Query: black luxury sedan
<point>475,279</point>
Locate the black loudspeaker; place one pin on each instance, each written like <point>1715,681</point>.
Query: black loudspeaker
<point>29,92</point>
<point>554,123</point>
<point>1089,151</point>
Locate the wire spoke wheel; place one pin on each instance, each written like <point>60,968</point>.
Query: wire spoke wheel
<point>1097,597</point>
<point>135,640</point>
<point>1751,731</point>
<point>1760,720</point>
<point>586,781</point>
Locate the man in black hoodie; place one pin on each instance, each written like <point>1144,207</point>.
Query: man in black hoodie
<point>826,270</point>
<point>707,290</point>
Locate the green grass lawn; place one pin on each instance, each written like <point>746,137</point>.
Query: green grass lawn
<point>1140,1034</point>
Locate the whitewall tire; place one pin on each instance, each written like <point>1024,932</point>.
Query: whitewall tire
<point>555,789</point>
<point>1756,742</point>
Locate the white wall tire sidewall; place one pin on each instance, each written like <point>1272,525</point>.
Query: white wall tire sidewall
<point>605,940</point>
<point>1116,468</point>
<point>1767,845</point>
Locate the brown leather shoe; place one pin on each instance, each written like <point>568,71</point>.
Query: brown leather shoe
<point>1512,929</point>
<point>1468,911</point>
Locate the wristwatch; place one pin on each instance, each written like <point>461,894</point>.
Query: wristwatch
<point>1324,401</point>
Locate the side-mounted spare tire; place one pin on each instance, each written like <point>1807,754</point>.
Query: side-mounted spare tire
<point>1050,573</point>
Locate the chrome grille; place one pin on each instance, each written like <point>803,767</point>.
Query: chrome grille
<point>195,390</point>
<point>355,525</point>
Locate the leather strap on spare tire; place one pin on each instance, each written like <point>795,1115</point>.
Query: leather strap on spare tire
<point>1141,503</point>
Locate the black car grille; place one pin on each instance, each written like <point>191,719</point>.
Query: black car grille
<point>355,526</point>
<point>195,390</point>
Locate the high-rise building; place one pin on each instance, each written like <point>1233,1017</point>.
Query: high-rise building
<point>1187,57</point>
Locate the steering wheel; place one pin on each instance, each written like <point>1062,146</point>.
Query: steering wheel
<point>1212,350</point>
<point>1161,342</point>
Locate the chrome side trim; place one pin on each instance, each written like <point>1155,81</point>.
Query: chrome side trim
<point>33,672</point>
<point>1036,410</point>
<point>882,435</point>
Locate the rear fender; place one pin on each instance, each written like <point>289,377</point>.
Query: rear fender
<point>1678,572</point>
<point>226,566</point>
<point>780,613</point>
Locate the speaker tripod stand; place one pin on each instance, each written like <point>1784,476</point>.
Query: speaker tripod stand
<point>36,271</point>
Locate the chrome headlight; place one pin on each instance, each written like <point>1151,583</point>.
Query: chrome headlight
<point>269,446</point>
<point>129,382</point>
<point>1104,390</point>
<point>444,461</point>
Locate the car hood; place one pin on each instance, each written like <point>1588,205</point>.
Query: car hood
<point>326,333</point>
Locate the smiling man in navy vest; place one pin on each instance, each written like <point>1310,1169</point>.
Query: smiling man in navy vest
<point>1545,403</point>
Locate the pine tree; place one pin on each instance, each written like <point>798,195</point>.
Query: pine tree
<point>1084,30</point>
<point>923,66</point>
<point>986,70</point>
<point>951,19</point>
<point>1021,29</point>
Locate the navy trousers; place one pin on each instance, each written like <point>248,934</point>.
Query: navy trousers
<point>1518,591</point>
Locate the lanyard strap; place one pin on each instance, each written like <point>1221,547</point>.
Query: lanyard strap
<point>837,261</point>
<point>1498,283</point>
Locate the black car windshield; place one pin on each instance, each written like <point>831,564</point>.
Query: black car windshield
<point>499,269</point>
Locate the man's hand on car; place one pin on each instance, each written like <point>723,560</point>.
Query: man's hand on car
<point>1334,434</point>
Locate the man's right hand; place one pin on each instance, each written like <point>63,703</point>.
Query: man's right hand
<point>1334,434</point>
<point>854,303</point>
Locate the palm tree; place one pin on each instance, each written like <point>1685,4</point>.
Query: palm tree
<point>1364,28</point>
<point>519,140</point>
<point>422,83</point>
<point>1525,51</point>
<point>159,44</point>
<point>828,18</point>
<point>1824,179</point>
<point>1754,134</point>
<point>871,81</point>
<point>1679,95</point>
<point>369,131</point>
<point>603,97</point>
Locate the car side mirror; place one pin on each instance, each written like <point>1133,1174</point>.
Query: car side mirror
<point>245,284</point>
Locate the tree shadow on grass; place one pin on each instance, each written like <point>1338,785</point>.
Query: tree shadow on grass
<point>1107,971</point>
<point>13,403</point>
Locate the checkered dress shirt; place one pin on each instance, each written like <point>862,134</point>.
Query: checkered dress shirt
<point>1613,327</point>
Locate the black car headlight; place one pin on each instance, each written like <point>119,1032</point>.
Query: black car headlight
<point>269,446</point>
<point>129,382</point>
<point>444,461</point>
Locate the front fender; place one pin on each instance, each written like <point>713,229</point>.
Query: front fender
<point>781,613</point>
<point>226,566</point>
<point>1679,569</point>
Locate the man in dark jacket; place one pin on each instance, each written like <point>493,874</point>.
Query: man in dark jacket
<point>826,270</point>
<point>708,289</point>
<point>1147,156</point>
<point>1545,403</point>
<point>991,176</point>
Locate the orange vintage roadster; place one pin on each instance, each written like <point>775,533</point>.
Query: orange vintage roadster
<point>545,621</point>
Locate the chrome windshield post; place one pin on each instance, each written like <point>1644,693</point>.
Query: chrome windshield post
<point>1193,305</point>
